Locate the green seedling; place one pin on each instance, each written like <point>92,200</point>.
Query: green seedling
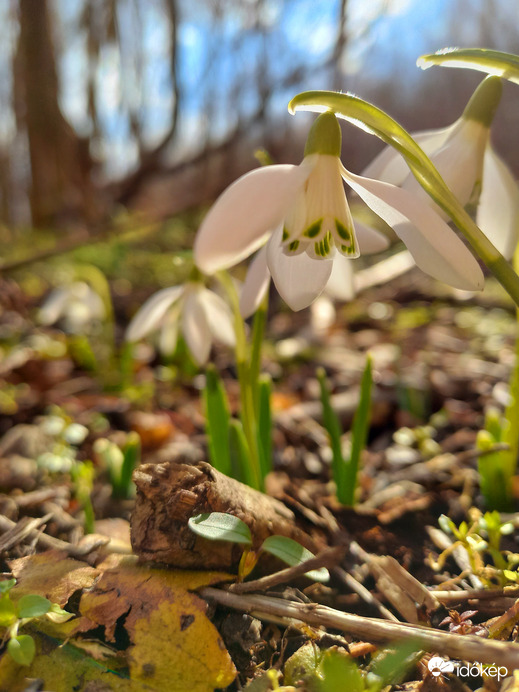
<point>67,437</point>
<point>328,670</point>
<point>229,444</point>
<point>120,463</point>
<point>480,538</point>
<point>345,470</point>
<point>16,614</point>
<point>218,526</point>
<point>496,469</point>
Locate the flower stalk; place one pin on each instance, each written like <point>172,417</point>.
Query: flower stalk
<point>243,366</point>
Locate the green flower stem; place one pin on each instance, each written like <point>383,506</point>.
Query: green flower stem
<point>511,434</point>
<point>99,283</point>
<point>247,413</point>
<point>375,121</point>
<point>258,332</point>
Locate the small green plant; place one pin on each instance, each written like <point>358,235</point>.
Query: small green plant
<point>120,463</point>
<point>66,438</point>
<point>218,526</point>
<point>496,469</point>
<point>482,536</point>
<point>229,446</point>
<point>17,614</point>
<point>328,670</point>
<point>345,470</point>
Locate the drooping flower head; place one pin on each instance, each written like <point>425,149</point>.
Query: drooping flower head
<point>76,305</point>
<point>199,314</point>
<point>466,160</point>
<point>301,212</point>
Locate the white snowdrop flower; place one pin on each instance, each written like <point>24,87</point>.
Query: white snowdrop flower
<point>466,160</point>
<point>198,313</point>
<point>301,212</point>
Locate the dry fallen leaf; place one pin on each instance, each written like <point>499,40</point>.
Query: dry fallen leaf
<point>51,574</point>
<point>156,627</point>
<point>173,644</point>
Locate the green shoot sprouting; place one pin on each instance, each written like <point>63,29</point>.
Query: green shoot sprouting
<point>15,614</point>
<point>495,469</point>
<point>345,471</point>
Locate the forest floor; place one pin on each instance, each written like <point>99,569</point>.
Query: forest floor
<point>441,358</point>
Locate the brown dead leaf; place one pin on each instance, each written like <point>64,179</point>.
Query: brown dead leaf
<point>51,574</point>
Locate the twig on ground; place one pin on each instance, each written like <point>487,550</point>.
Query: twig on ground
<point>326,558</point>
<point>364,593</point>
<point>460,647</point>
<point>28,529</point>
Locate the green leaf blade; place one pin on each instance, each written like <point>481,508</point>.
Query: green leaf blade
<point>22,649</point>
<point>33,606</point>
<point>333,428</point>
<point>359,436</point>
<point>6,585</point>
<point>218,526</point>
<point>240,457</point>
<point>217,421</point>
<point>292,553</point>
<point>265,424</point>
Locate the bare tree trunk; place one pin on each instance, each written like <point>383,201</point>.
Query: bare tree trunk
<point>60,160</point>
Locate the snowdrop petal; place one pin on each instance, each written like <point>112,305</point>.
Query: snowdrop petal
<point>195,328</point>
<point>459,162</point>
<point>498,210</point>
<point>168,336</point>
<point>256,284</point>
<point>245,214</point>
<point>435,247</point>
<point>299,279</point>
<point>53,307</point>
<point>152,312</point>
<point>218,316</point>
<point>391,167</point>
<point>370,240</point>
<point>340,283</point>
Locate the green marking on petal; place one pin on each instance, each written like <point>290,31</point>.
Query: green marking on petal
<point>292,247</point>
<point>343,232</point>
<point>326,244</point>
<point>286,235</point>
<point>317,249</point>
<point>313,229</point>
<point>348,249</point>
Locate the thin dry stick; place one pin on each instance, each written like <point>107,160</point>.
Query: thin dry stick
<point>461,647</point>
<point>326,558</point>
<point>357,587</point>
<point>48,542</point>
<point>448,597</point>
<point>19,532</point>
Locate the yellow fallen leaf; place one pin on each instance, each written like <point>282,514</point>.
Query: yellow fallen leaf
<point>65,668</point>
<point>173,646</point>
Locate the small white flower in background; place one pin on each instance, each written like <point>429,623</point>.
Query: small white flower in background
<point>77,305</point>
<point>301,212</point>
<point>464,157</point>
<point>200,314</point>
